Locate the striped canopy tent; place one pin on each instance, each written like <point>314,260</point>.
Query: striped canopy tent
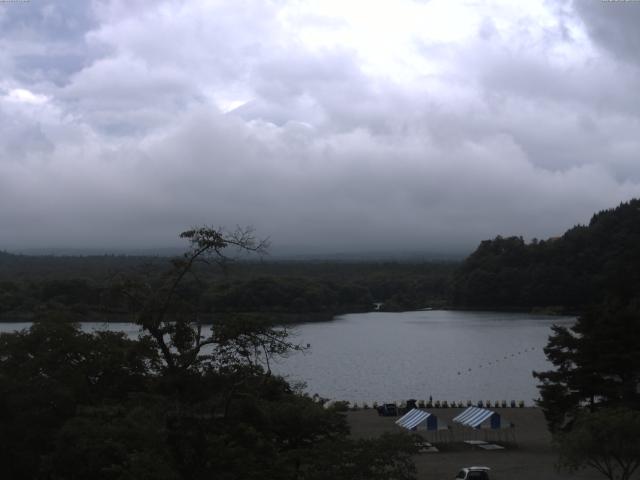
<point>474,417</point>
<point>415,419</point>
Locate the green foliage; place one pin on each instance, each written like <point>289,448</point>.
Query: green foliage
<point>607,440</point>
<point>363,459</point>
<point>106,442</point>
<point>47,373</point>
<point>597,363</point>
<point>281,295</point>
<point>290,291</point>
<point>79,405</point>
<point>573,271</point>
<point>179,402</point>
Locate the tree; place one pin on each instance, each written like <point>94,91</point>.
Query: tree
<point>364,459</point>
<point>585,265</point>
<point>597,364</point>
<point>168,311</point>
<point>183,401</point>
<point>607,440</point>
<point>48,373</point>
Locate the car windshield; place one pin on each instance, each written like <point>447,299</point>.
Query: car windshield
<point>478,476</point>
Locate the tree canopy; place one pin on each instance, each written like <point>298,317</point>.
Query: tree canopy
<point>607,440</point>
<point>570,272</point>
<point>591,400</point>
<point>182,401</point>
<point>597,363</point>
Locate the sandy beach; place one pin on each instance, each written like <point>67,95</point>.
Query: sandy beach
<point>532,456</point>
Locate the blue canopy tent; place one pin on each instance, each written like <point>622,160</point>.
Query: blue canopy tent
<point>417,419</point>
<point>487,421</point>
<point>474,417</point>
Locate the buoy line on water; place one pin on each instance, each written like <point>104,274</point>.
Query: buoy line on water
<point>507,356</point>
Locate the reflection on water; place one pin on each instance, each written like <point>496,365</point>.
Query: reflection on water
<point>449,355</point>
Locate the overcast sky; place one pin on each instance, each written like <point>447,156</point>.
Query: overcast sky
<point>332,124</point>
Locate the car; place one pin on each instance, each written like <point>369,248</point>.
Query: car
<point>388,410</point>
<point>473,473</point>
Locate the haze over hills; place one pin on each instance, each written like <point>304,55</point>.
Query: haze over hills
<point>274,253</point>
<point>566,273</point>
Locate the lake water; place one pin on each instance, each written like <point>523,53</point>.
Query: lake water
<point>450,355</point>
<point>380,356</point>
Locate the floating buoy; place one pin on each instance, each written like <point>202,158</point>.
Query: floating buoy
<point>498,360</point>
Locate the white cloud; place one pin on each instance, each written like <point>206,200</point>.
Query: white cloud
<point>22,95</point>
<point>417,125</point>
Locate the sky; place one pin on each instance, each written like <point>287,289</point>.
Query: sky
<point>326,125</point>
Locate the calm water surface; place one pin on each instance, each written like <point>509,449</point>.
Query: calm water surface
<point>449,355</point>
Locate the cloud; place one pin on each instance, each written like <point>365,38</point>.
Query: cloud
<point>613,25</point>
<point>44,41</point>
<point>276,114</point>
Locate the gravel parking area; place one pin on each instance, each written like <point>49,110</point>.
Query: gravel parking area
<point>532,457</point>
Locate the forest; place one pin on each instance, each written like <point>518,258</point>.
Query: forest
<point>558,275</point>
<point>176,403</point>
<point>287,290</point>
<point>564,274</point>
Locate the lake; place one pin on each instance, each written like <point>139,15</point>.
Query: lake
<point>450,355</point>
<point>381,356</point>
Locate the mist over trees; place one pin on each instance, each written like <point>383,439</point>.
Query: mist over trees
<point>563,274</point>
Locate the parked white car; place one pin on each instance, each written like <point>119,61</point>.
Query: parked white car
<point>473,473</point>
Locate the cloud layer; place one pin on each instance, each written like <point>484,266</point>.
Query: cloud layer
<point>420,125</point>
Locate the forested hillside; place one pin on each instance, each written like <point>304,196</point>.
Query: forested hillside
<point>583,266</point>
<point>567,273</point>
<point>286,290</point>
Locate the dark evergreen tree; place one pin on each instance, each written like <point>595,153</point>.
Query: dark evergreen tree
<point>597,363</point>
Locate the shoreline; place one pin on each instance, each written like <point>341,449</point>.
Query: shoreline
<point>280,318</point>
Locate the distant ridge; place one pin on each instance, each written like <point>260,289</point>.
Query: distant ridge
<point>86,252</point>
<point>274,254</point>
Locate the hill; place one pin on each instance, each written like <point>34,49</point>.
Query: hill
<point>585,265</point>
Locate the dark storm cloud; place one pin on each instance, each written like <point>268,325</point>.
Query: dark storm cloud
<point>155,116</point>
<point>613,25</point>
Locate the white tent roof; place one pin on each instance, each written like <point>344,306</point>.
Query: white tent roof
<point>473,416</point>
<point>412,418</point>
